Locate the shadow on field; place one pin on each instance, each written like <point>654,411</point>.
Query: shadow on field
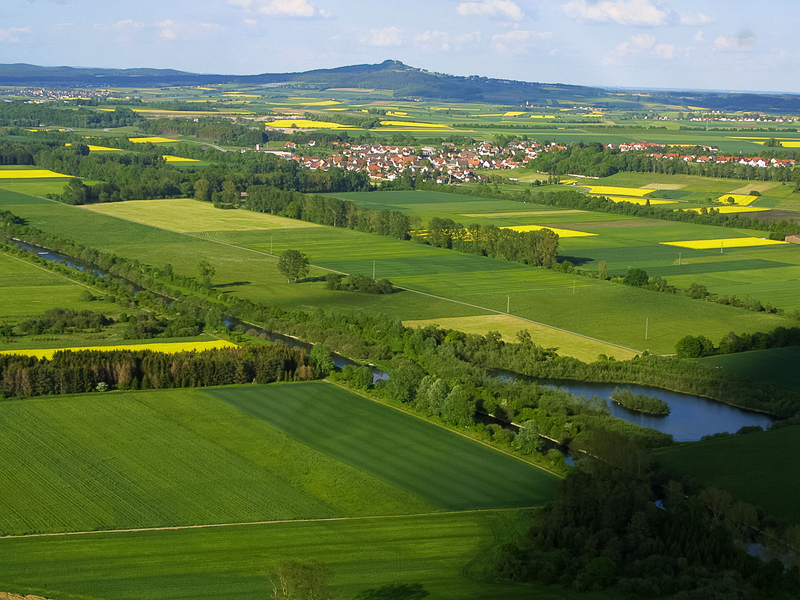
<point>395,591</point>
<point>578,261</point>
<point>232,284</point>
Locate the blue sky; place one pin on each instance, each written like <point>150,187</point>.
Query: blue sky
<point>699,44</point>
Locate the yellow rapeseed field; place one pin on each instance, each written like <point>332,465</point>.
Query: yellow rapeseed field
<point>543,116</point>
<point>641,201</point>
<point>169,158</point>
<point>605,190</point>
<point>513,113</point>
<point>306,124</point>
<point>409,124</point>
<point>29,174</point>
<point>99,148</point>
<point>738,199</point>
<point>565,233</point>
<point>166,348</point>
<point>152,140</point>
<point>724,243</point>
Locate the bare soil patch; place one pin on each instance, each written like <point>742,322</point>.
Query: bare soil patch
<point>7,596</point>
<point>755,187</point>
<point>664,186</point>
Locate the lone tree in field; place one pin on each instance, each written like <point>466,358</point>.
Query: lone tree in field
<point>293,264</point>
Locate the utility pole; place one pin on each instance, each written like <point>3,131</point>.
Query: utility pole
<point>270,244</point>
<point>646,327</point>
<point>573,288</point>
<point>679,258</point>
<point>508,305</point>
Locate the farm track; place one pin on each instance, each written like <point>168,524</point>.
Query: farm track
<point>205,237</point>
<point>276,522</point>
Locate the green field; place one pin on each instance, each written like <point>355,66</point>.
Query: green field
<point>776,365</point>
<point>445,554</point>
<point>246,269</point>
<point>445,469</point>
<point>182,457</point>
<point>756,468</point>
<point>26,290</point>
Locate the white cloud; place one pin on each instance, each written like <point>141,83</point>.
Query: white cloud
<point>128,24</point>
<point>388,36</point>
<point>698,37</point>
<point>695,19</point>
<point>491,8</point>
<point>518,41</point>
<point>643,44</point>
<point>173,30</point>
<point>282,8</point>
<point>630,12</point>
<point>744,41</point>
<point>443,41</point>
<point>11,35</point>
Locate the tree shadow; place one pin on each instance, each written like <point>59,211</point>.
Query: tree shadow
<point>395,591</point>
<point>311,279</point>
<point>232,284</point>
<point>575,260</point>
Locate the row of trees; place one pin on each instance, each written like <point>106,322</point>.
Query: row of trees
<point>537,248</point>
<point>698,346</point>
<point>597,160</point>
<point>357,282</point>
<point>87,371</point>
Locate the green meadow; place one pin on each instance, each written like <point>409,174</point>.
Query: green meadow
<point>776,365</point>
<point>446,555</point>
<point>168,458</point>
<point>457,284</point>
<point>756,468</point>
<point>27,290</point>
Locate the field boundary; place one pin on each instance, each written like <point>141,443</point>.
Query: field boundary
<point>276,522</point>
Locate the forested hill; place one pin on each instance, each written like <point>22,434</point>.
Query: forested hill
<point>405,81</point>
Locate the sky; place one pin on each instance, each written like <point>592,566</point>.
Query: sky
<point>673,44</point>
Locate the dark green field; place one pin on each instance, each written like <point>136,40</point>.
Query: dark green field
<point>778,365</point>
<point>757,468</point>
<point>443,468</point>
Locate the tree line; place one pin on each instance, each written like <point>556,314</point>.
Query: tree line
<point>597,160</point>
<point>698,346</point>
<point>96,370</point>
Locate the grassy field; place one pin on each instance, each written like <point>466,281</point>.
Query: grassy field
<point>172,457</point>
<point>507,326</point>
<point>445,554</point>
<point>756,468</point>
<point>560,300</point>
<point>26,290</point>
<point>443,468</point>
<point>775,365</point>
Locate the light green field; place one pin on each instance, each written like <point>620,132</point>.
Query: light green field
<point>445,554</point>
<point>26,290</point>
<point>507,326</point>
<point>753,467</point>
<point>172,457</point>
<point>191,216</point>
<point>34,187</point>
<point>598,309</point>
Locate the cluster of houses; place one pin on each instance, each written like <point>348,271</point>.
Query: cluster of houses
<point>712,158</point>
<point>445,164</point>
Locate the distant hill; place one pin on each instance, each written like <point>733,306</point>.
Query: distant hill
<point>405,81</point>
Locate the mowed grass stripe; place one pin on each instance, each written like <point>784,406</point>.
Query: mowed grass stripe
<point>440,466</point>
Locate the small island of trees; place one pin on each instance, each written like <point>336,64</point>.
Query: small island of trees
<point>640,402</point>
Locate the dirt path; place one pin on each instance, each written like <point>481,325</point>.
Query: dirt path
<point>279,522</point>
